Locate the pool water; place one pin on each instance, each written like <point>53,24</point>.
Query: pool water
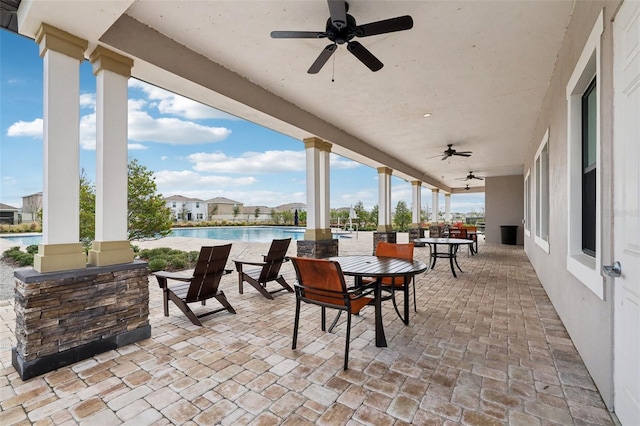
<point>255,234</point>
<point>25,240</point>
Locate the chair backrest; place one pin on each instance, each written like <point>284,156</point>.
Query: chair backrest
<point>208,272</point>
<point>274,259</point>
<point>403,251</point>
<point>458,233</point>
<point>320,281</point>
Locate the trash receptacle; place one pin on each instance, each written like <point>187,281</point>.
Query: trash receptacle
<point>509,234</point>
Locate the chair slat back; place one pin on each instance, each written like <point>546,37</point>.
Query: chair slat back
<point>274,259</point>
<point>403,251</point>
<point>208,272</point>
<point>320,280</point>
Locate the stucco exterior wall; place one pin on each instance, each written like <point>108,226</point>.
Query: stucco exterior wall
<point>588,319</point>
<point>504,205</point>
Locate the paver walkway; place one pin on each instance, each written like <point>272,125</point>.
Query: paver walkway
<point>486,348</point>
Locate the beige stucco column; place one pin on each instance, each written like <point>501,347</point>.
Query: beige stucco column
<point>434,198</point>
<point>318,208</point>
<point>416,191</point>
<point>384,199</point>
<point>447,208</point>
<point>112,72</point>
<point>62,54</point>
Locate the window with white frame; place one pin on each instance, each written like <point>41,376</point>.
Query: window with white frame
<point>541,173</point>
<point>527,204</point>
<point>583,152</point>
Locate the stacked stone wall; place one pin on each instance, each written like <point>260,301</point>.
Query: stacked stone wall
<point>57,313</point>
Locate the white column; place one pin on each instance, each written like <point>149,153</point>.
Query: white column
<point>434,198</point>
<point>62,54</point>
<point>325,184</point>
<point>111,245</point>
<point>416,189</point>
<point>318,209</point>
<point>384,199</point>
<point>447,208</point>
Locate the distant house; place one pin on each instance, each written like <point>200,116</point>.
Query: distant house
<point>9,215</point>
<point>187,209</point>
<point>31,207</point>
<point>221,208</point>
<point>291,207</point>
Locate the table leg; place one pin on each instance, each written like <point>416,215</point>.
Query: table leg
<point>452,256</point>
<point>434,255</point>
<point>381,340</point>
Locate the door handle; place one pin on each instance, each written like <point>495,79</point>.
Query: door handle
<point>614,270</point>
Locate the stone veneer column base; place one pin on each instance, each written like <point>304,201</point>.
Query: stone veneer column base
<point>387,237</point>
<point>68,316</point>
<point>416,233</point>
<point>319,249</point>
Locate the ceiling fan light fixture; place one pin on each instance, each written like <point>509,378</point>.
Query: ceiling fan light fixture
<point>427,114</point>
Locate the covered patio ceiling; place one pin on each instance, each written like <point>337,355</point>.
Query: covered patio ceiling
<point>480,68</point>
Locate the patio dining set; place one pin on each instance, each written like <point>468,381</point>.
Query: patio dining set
<point>376,278</point>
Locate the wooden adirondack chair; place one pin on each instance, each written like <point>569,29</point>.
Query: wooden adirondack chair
<point>200,286</point>
<point>266,271</point>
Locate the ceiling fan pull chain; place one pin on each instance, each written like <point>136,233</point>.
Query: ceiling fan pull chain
<point>333,71</point>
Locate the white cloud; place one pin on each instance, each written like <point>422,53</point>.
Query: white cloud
<point>259,162</point>
<point>88,100</point>
<point>32,129</point>
<point>173,131</point>
<point>254,162</point>
<point>136,146</point>
<point>164,158</point>
<point>144,128</point>
<point>170,103</point>
<point>175,180</point>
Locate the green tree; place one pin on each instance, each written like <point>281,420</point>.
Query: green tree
<point>148,215</point>
<point>402,216</point>
<point>275,216</point>
<point>87,208</point>
<point>302,217</point>
<point>361,213</point>
<point>236,211</point>
<point>287,216</point>
<point>373,216</point>
<point>256,212</point>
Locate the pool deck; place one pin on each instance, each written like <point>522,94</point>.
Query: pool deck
<point>484,349</point>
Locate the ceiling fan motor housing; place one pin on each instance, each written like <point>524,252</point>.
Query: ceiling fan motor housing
<point>344,35</point>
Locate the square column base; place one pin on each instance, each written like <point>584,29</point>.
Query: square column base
<point>317,249</point>
<point>59,257</point>
<point>105,253</point>
<point>414,233</point>
<point>387,237</point>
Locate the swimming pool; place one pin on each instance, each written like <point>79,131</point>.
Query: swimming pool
<point>255,234</point>
<point>25,240</point>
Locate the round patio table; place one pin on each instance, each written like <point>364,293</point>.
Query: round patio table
<point>451,253</point>
<point>379,267</point>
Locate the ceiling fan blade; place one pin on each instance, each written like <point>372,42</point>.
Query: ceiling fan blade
<point>298,34</point>
<point>445,157</point>
<point>366,57</point>
<point>478,177</point>
<point>463,154</point>
<point>338,12</point>
<point>400,23</point>
<point>322,58</point>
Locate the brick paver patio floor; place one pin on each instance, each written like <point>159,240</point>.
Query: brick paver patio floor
<point>485,348</point>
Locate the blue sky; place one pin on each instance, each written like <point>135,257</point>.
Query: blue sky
<point>193,150</point>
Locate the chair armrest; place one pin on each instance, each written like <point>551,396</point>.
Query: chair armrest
<point>173,276</point>
<point>239,264</point>
<point>163,276</point>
